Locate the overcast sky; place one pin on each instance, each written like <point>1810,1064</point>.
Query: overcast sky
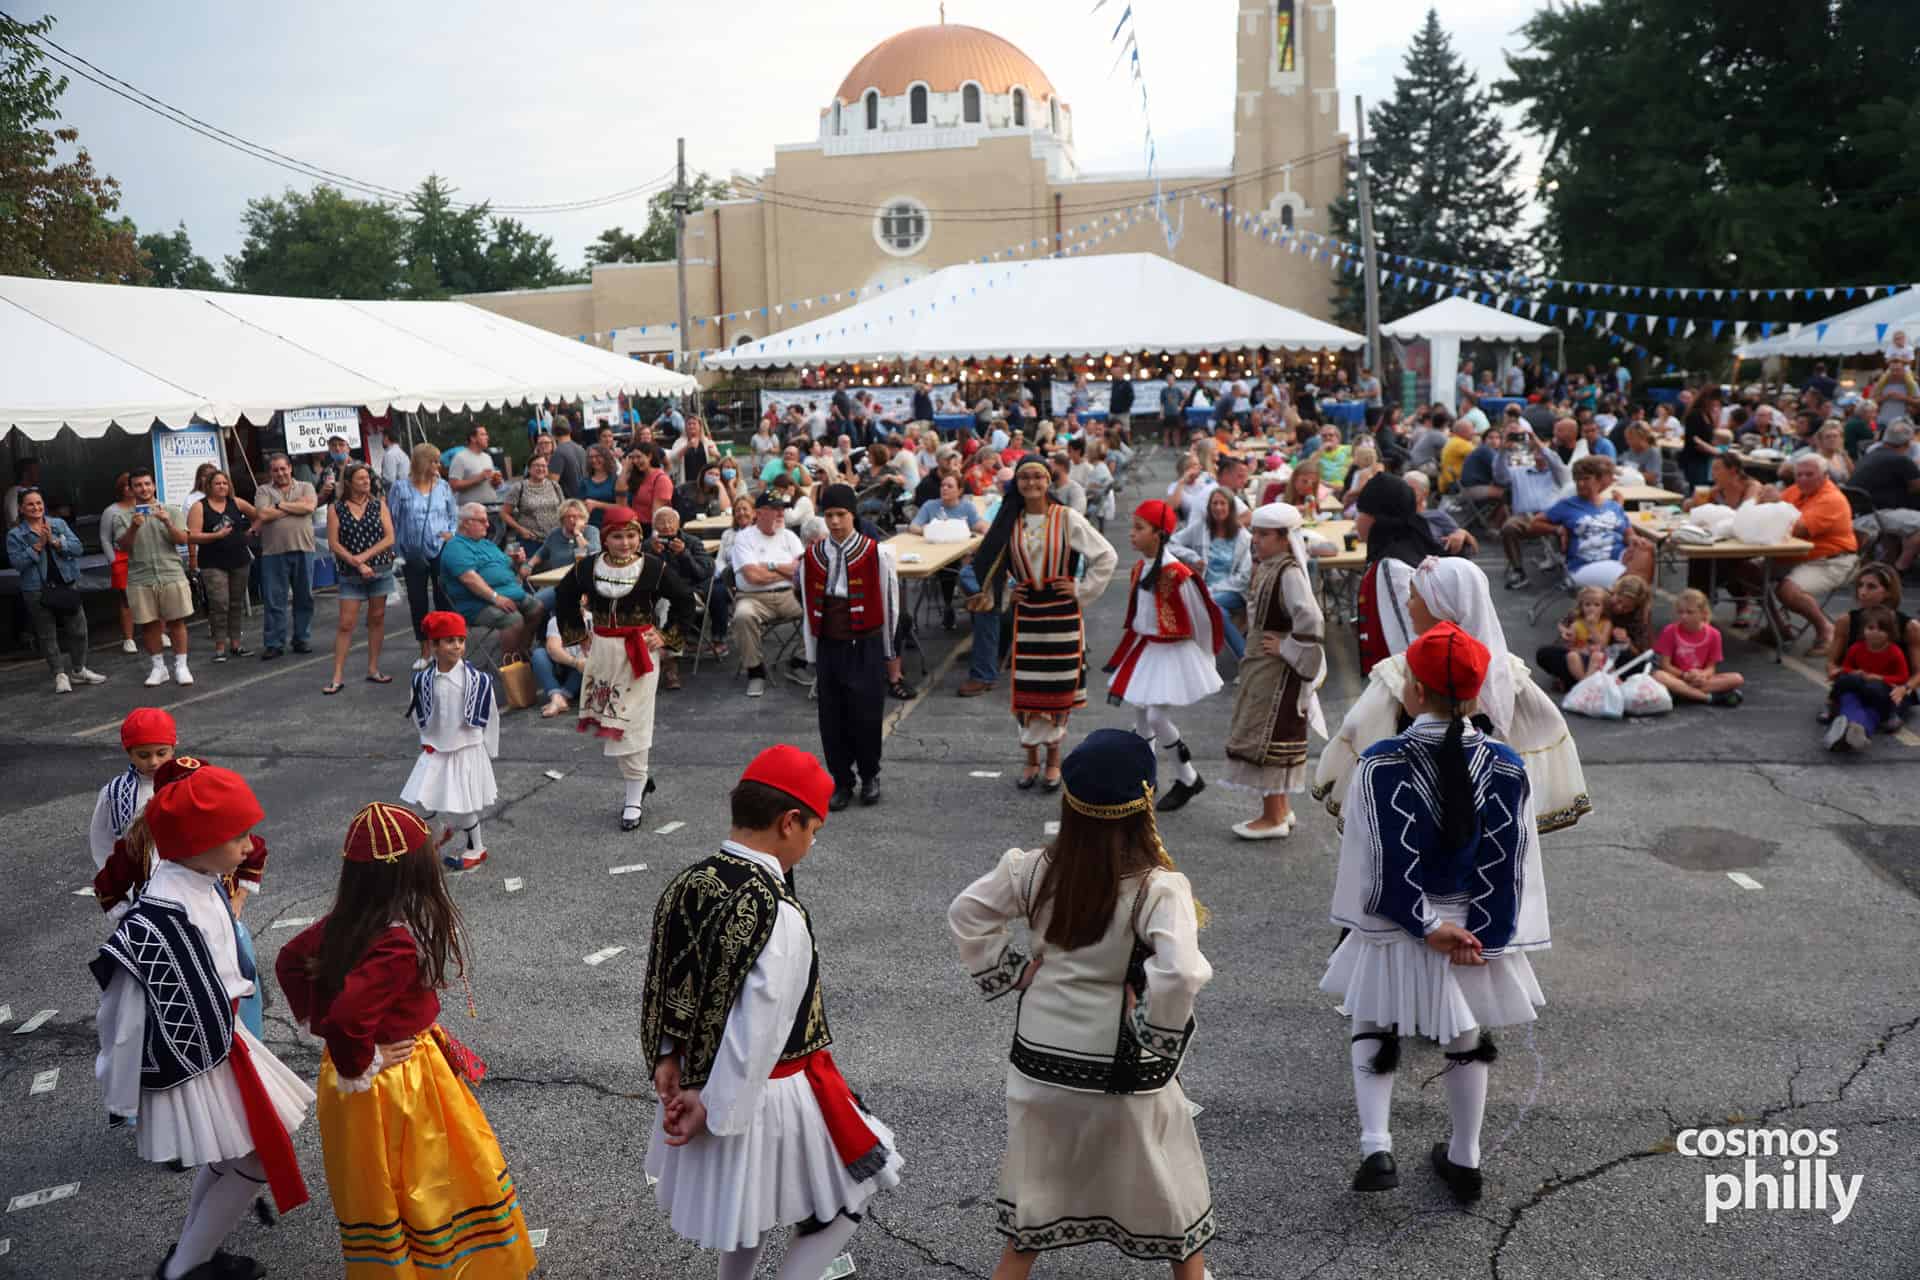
<point>535,104</point>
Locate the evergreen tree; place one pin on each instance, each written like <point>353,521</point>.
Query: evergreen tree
<point>174,264</point>
<point>1442,176</point>
<point>655,243</point>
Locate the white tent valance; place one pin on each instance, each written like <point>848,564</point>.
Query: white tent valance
<point>1114,304</point>
<point>1859,331</point>
<point>87,356</point>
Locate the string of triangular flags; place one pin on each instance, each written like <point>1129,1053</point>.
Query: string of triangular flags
<point>1346,258</point>
<point>1130,54</point>
<point>1090,234</point>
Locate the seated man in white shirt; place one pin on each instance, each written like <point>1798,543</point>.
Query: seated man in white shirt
<point>1531,489</point>
<point>765,558</point>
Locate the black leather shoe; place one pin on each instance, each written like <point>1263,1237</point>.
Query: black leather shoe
<point>1377,1173</point>
<point>1463,1182</point>
<point>842,797</point>
<point>632,823</point>
<point>269,653</point>
<point>1179,793</point>
<point>301,646</point>
<point>870,791</point>
<point>236,1266</point>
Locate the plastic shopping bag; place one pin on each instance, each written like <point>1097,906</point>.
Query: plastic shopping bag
<point>944,530</point>
<point>1765,523</point>
<point>1645,696</point>
<point>1597,697</point>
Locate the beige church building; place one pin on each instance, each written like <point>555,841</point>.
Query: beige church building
<point>945,144</point>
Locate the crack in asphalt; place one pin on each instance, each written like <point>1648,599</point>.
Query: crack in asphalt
<point>1553,1186</point>
<point>924,1251</point>
<point>1760,771</point>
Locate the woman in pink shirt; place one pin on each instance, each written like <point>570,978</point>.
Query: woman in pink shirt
<point>644,484</point>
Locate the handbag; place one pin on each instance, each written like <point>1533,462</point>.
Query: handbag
<point>56,593</point>
<point>516,680</point>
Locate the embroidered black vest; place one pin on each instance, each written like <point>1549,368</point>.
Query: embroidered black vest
<point>189,1019</point>
<point>709,927</point>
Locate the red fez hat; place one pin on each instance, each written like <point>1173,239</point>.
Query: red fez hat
<point>1447,660</point>
<point>440,624</point>
<point>384,832</point>
<point>173,770</point>
<point>1158,514</point>
<point>145,726</point>
<point>618,518</point>
<point>796,772</point>
<point>207,807</point>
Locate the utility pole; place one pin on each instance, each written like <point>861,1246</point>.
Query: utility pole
<point>1364,151</point>
<point>680,249</point>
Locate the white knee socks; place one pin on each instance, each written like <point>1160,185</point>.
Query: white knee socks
<point>739,1264</point>
<point>1372,1091</point>
<point>468,825</point>
<point>1466,1101</point>
<point>219,1202</point>
<point>636,793</point>
<point>1153,724</point>
<point>808,1256</point>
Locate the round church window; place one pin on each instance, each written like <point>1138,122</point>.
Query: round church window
<point>902,226</point>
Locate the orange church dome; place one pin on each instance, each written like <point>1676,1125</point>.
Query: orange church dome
<point>944,57</point>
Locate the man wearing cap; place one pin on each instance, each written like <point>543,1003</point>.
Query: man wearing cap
<point>1440,884</point>
<point>756,1127</point>
<point>205,1091</point>
<point>851,593</point>
<point>766,556</point>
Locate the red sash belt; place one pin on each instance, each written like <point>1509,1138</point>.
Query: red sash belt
<point>635,638</point>
<point>270,1140</point>
<point>855,1143</point>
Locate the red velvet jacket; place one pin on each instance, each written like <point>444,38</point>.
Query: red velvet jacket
<point>383,1000</point>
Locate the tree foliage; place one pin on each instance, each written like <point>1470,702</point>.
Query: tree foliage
<point>58,218</point>
<point>655,242</point>
<point>1720,146</point>
<point>1442,175</point>
<point>172,263</point>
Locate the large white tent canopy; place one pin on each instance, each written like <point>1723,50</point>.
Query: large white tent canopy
<point>1113,304</point>
<point>1451,321</point>
<point>1859,331</point>
<point>87,356</point>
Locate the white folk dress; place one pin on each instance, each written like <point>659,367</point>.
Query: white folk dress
<point>1083,1164</point>
<point>1178,674</point>
<point>204,1119</point>
<point>615,704</point>
<point>456,776</point>
<point>766,1159</point>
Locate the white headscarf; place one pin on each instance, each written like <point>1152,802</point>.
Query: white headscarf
<point>1286,517</point>
<point>1456,591</point>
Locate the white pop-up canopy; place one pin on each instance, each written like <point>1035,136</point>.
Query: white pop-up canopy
<point>1451,321</point>
<point>1114,304</point>
<point>87,356</point>
<point>1859,331</point>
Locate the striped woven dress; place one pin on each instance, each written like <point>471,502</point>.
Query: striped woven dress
<point>1049,630</point>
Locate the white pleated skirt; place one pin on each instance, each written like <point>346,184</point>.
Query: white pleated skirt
<point>452,781</point>
<point>205,1120</point>
<point>1406,983</point>
<point>1171,675</point>
<point>728,1192</point>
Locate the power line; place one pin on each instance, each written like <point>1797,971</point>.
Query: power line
<point>113,84</point>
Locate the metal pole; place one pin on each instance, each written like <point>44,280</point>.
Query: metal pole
<point>680,248</point>
<point>1363,151</point>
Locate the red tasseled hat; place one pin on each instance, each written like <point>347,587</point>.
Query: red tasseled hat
<point>440,624</point>
<point>384,832</point>
<point>207,807</point>
<point>1158,514</point>
<point>1449,661</point>
<point>796,772</point>
<point>145,726</point>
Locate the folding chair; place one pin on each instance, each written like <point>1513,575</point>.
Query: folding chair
<point>1559,584</point>
<point>1472,513</point>
<point>1867,528</point>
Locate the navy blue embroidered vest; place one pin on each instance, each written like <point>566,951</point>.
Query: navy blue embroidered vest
<point>479,708</point>
<point>189,1019</point>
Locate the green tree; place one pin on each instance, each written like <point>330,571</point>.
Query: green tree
<point>57,218</point>
<point>519,258</point>
<point>446,246</point>
<point>655,243</point>
<point>1442,175</point>
<point>321,244</point>
<point>174,265</point>
<point>1723,148</point>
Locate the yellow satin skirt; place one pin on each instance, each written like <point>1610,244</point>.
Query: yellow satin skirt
<point>418,1183</point>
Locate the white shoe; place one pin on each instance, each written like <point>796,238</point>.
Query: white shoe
<point>158,675</point>
<point>87,675</point>
<point>756,686</point>
<point>180,673</point>
<point>420,664</point>
<point>1247,831</point>
<point>1857,736</point>
<point>61,683</point>
<point>128,646</point>
<point>1837,733</point>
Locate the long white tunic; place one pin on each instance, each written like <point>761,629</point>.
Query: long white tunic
<point>766,1159</point>
<point>457,775</point>
<point>101,832</point>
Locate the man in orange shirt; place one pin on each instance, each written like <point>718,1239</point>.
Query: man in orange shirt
<point>1826,520</point>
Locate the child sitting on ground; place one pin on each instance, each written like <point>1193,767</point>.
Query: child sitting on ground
<point>1690,655</point>
<point>1588,632</point>
<point>1872,671</point>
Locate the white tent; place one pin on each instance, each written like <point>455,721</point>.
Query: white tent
<point>86,356</point>
<point>1113,304</point>
<point>1451,321</point>
<point>1856,332</point>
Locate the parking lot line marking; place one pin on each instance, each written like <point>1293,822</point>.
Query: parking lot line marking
<point>45,1082</point>
<point>603,955</point>
<point>6,1247</point>
<point>669,829</point>
<point>629,868</point>
<point>296,922</point>
<point>1744,880</point>
<point>6,1013</point>
<point>1051,829</point>
<point>984,773</point>
<point>537,1237</point>
<point>33,1024</point>
<point>46,1195</point>
<point>515,884</point>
